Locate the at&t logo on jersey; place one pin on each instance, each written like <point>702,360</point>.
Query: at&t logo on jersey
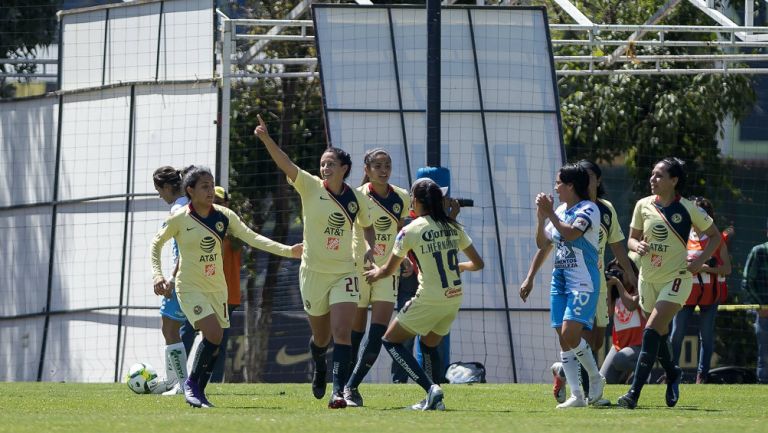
<point>335,223</point>
<point>207,245</point>
<point>659,233</point>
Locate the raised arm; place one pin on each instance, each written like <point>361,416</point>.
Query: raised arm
<point>281,159</point>
<point>475,262</point>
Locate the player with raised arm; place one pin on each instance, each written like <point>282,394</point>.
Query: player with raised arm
<point>389,206</point>
<point>199,228</point>
<point>659,233</point>
<point>435,240</point>
<point>573,228</point>
<point>327,276</point>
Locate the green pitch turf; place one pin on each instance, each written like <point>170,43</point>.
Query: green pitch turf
<point>285,408</point>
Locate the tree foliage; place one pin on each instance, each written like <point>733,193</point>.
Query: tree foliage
<point>645,118</point>
<point>24,26</point>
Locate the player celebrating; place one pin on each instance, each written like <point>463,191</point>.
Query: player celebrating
<point>574,292</point>
<point>659,233</point>
<point>389,206</point>
<point>199,229</point>
<point>327,276</point>
<point>435,240</point>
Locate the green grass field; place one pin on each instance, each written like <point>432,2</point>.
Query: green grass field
<point>251,408</point>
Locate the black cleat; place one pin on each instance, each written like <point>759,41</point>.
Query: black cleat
<point>627,401</point>
<point>673,388</point>
<point>318,384</point>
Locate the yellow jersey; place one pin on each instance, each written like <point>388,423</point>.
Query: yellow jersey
<point>666,231</point>
<point>610,231</point>
<point>435,248</point>
<point>386,214</point>
<point>201,266</point>
<point>329,220</point>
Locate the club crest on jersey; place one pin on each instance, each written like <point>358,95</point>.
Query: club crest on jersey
<point>677,218</point>
<point>307,305</point>
<point>606,219</point>
<point>198,309</point>
<point>396,208</point>
<point>332,244</point>
<point>352,207</point>
<point>219,226</point>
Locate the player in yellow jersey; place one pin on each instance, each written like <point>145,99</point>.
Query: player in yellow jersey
<point>659,233</point>
<point>199,229</point>
<point>435,240</point>
<point>327,276</point>
<point>389,206</point>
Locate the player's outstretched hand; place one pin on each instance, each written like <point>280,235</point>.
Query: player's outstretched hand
<point>297,250</point>
<point>261,130</point>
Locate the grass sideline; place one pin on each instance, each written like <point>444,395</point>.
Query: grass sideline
<point>71,407</point>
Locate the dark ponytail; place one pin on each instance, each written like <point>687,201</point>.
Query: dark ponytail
<point>426,192</point>
<point>167,175</point>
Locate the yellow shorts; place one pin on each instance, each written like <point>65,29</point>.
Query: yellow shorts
<point>384,290</point>
<point>421,319</point>
<point>601,313</point>
<point>675,291</point>
<point>199,305</point>
<point>319,291</point>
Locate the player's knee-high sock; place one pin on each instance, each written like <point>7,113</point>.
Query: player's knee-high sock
<point>341,354</point>
<point>205,357</point>
<point>665,357</point>
<point>318,356</point>
<point>176,362</point>
<point>648,353</point>
<point>357,337</point>
<point>371,349</point>
<point>571,370</point>
<point>432,364</point>
<point>584,354</point>
<point>408,363</point>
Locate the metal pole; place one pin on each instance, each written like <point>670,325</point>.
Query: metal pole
<point>226,97</point>
<point>433,83</point>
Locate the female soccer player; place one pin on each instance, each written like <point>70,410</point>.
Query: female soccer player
<point>659,233</point>
<point>435,240</point>
<point>167,182</point>
<point>327,276</point>
<point>199,228</point>
<point>389,206</point>
<point>574,292</point>
<point>610,234</point>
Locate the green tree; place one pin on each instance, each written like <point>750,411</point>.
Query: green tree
<point>645,118</point>
<point>292,108</point>
<point>25,26</point>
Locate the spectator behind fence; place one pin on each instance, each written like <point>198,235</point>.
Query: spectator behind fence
<point>755,284</point>
<point>628,324</point>
<point>705,292</point>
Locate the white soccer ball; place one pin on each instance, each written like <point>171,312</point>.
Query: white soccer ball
<point>142,378</point>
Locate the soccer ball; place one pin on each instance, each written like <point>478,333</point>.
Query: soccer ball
<point>142,378</point>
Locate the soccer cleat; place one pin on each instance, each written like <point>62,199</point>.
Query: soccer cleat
<point>558,386</point>
<point>596,389</point>
<point>177,389</point>
<point>627,401</point>
<point>353,397</point>
<point>673,388</point>
<point>573,401</point>
<point>194,396</point>
<point>337,401</point>
<point>603,402</point>
<point>420,406</point>
<point>434,397</point>
<point>318,383</point>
